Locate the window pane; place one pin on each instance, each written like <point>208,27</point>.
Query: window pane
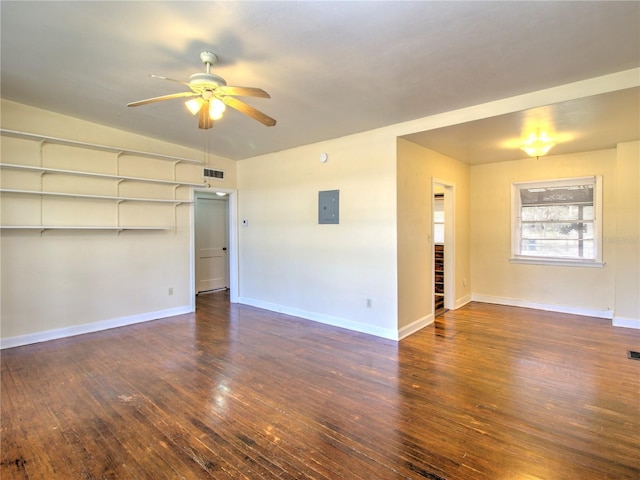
<point>574,194</point>
<point>557,230</point>
<point>557,218</point>
<point>587,212</point>
<point>555,212</point>
<point>558,248</point>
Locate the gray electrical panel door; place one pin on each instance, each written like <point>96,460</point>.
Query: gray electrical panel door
<point>329,206</point>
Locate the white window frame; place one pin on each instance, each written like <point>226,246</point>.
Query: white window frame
<point>518,257</point>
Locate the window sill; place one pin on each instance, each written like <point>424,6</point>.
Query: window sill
<point>561,262</point>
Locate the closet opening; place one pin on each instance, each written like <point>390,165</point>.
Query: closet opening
<point>443,247</point>
<point>438,253</point>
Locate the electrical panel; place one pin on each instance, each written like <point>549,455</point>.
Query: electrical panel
<point>329,207</point>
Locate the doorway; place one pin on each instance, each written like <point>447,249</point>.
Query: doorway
<point>443,247</point>
<point>211,242</point>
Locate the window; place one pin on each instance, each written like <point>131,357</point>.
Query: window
<point>557,222</point>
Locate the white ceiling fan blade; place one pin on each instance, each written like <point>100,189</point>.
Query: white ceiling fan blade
<point>204,120</point>
<point>242,91</point>
<point>249,110</point>
<point>159,77</point>
<point>163,97</point>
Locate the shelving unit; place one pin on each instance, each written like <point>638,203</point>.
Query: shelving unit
<point>95,175</point>
<point>438,279</point>
<point>97,197</point>
<point>44,228</point>
<point>135,181</point>
<point>93,146</point>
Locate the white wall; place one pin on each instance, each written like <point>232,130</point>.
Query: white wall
<point>626,242</point>
<point>57,283</point>
<point>418,167</point>
<point>576,289</point>
<point>290,263</point>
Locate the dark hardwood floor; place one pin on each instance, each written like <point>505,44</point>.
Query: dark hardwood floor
<point>235,392</point>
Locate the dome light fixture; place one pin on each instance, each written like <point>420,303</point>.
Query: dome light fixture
<point>537,145</point>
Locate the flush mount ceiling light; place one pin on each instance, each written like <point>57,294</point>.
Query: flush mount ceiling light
<point>537,145</point>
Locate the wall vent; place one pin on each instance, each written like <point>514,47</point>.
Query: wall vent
<point>209,172</point>
<point>633,355</point>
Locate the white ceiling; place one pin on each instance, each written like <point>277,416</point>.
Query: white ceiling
<point>582,125</point>
<point>332,68</point>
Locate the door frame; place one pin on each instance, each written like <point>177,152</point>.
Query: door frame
<point>232,204</point>
<point>449,242</point>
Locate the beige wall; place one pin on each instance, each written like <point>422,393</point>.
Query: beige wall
<point>626,242</point>
<point>290,263</point>
<point>417,168</point>
<point>494,278</point>
<point>61,281</point>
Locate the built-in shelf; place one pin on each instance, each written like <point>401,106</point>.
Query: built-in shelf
<point>135,185</point>
<point>94,146</point>
<point>74,227</point>
<point>96,197</point>
<point>97,175</point>
<point>438,279</point>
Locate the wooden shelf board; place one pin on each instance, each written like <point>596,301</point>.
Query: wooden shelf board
<point>94,146</point>
<point>98,175</point>
<point>71,227</point>
<point>94,197</point>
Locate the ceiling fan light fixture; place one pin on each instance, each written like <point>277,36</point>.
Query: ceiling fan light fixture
<point>216,109</point>
<point>537,145</point>
<point>209,95</point>
<point>194,105</point>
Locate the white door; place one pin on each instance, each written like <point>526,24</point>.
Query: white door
<point>212,239</point>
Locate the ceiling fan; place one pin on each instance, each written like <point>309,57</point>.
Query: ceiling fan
<point>211,95</point>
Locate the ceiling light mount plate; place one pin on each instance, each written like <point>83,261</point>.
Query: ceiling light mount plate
<point>208,58</point>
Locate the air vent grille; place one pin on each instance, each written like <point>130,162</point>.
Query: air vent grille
<point>209,172</point>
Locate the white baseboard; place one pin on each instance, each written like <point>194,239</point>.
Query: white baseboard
<point>91,327</point>
<point>626,322</point>
<point>321,318</point>
<point>587,312</point>
<point>461,302</point>
<point>413,327</point>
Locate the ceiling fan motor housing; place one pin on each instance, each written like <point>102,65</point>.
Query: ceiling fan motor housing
<point>206,80</point>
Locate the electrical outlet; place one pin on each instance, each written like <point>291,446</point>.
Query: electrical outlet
<point>170,290</point>
<point>368,303</point>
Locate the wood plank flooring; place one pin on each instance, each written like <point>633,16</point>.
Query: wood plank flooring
<point>235,392</point>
